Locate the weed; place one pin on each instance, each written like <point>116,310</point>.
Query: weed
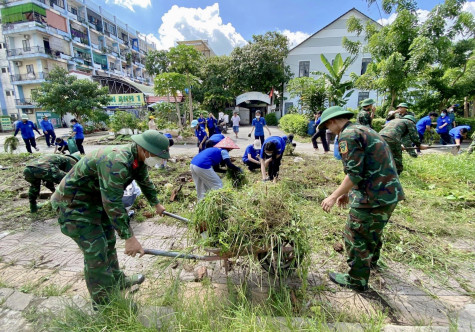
<point>53,290</point>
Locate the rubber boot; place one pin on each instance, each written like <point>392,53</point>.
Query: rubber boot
<point>135,279</point>
<point>342,280</point>
<point>33,207</point>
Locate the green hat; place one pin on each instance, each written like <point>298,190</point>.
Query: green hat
<point>366,102</point>
<point>76,156</point>
<point>153,142</point>
<point>410,117</point>
<point>403,105</point>
<point>24,117</point>
<point>331,113</point>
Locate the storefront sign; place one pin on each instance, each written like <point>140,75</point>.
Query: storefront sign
<point>6,123</point>
<point>126,100</point>
<point>52,117</point>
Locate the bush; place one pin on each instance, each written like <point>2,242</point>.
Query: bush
<point>378,124</point>
<point>121,120</point>
<point>271,119</point>
<point>294,123</point>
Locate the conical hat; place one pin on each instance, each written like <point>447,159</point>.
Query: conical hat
<point>226,143</point>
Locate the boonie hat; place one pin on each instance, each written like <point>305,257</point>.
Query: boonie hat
<point>153,142</point>
<point>331,113</point>
<point>403,105</point>
<point>24,117</point>
<point>76,156</point>
<point>226,143</point>
<point>368,101</point>
<point>257,144</point>
<point>194,123</point>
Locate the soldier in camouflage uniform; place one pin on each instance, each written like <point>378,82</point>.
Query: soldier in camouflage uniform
<point>374,191</point>
<point>402,111</point>
<point>394,133</point>
<point>366,115</point>
<point>49,169</point>
<point>89,202</point>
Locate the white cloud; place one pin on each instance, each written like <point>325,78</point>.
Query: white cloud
<point>181,23</point>
<point>130,4</point>
<point>421,13</point>
<point>469,7</point>
<point>295,38</point>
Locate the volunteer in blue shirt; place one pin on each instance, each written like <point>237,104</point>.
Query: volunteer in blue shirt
<point>251,155</point>
<point>443,122</point>
<point>48,130</point>
<point>26,127</point>
<point>459,133</point>
<point>202,122</point>
<point>200,134</point>
<point>213,140</point>
<point>258,124</point>
<point>78,135</point>
<point>206,163</point>
<point>319,133</point>
<point>62,145</point>
<point>211,123</point>
<point>271,156</point>
<point>425,124</point>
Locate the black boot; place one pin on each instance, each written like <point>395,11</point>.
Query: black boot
<point>33,207</point>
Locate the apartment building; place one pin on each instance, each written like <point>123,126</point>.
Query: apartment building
<point>77,35</point>
<point>7,92</point>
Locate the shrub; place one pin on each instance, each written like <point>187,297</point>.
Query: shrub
<point>122,120</point>
<point>378,124</point>
<point>294,123</point>
<point>271,119</point>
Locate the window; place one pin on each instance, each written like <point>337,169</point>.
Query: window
<point>304,68</point>
<point>26,45</point>
<point>364,65</point>
<point>4,70</point>
<point>287,105</point>
<point>362,96</point>
<point>30,69</point>
<point>9,93</point>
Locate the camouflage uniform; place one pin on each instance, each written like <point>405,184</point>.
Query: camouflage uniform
<point>50,169</point>
<point>394,132</point>
<point>364,118</point>
<point>406,141</point>
<point>368,163</point>
<point>89,202</point>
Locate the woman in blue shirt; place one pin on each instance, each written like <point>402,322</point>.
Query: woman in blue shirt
<point>443,123</point>
<point>211,123</point>
<point>271,156</point>
<point>78,134</point>
<point>251,155</point>
<point>258,124</point>
<point>26,127</point>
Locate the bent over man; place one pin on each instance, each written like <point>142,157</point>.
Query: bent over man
<point>89,202</point>
<point>374,191</point>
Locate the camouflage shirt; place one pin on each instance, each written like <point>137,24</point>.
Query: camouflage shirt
<point>102,176</point>
<point>58,164</point>
<point>368,162</point>
<point>399,116</point>
<point>397,129</point>
<point>364,118</point>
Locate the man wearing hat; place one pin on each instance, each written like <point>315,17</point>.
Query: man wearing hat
<point>366,115</point>
<point>48,131</point>
<point>206,163</point>
<point>49,169</point>
<point>401,111</point>
<point>251,155</point>
<point>374,189</point>
<point>90,207</point>
<point>397,131</point>
<point>26,127</point>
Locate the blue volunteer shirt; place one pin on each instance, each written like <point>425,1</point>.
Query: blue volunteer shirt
<point>249,151</point>
<point>422,124</point>
<point>210,157</point>
<point>455,132</point>
<point>280,144</point>
<point>216,138</point>
<point>26,129</point>
<point>200,134</point>
<point>211,122</point>
<point>77,128</point>
<point>202,121</point>
<point>167,135</point>
<point>61,144</point>
<point>46,125</point>
<point>440,122</point>
<point>259,125</point>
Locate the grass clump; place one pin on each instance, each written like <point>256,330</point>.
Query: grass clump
<point>11,144</point>
<point>237,178</point>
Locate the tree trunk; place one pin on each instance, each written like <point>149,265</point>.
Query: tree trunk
<point>178,112</point>
<point>473,107</point>
<point>393,98</point>
<point>465,107</point>
<point>191,104</point>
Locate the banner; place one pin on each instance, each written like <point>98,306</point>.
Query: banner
<point>126,100</point>
<point>52,117</point>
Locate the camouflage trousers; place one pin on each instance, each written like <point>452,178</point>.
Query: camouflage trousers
<point>396,151</point>
<point>89,226</point>
<point>471,147</point>
<point>362,236</point>
<point>35,176</point>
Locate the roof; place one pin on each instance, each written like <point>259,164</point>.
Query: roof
<point>326,26</point>
<point>146,90</point>
<point>153,100</point>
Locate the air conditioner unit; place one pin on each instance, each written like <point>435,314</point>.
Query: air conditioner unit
<point>26,37</point>
<point>17,63</point>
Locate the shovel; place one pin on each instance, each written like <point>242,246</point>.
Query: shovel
<point>454,148</point>
<point>165,213</point>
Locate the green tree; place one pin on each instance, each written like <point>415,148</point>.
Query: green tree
<point>122,119</point>
<point>337,91</point>
<point>64,93</point>
<point>311,92</point>
<point>157,62</point>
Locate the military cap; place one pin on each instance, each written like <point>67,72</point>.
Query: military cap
<point>410,117</point>
<point>153,142</point>
<point>331,113</point>
<point>403,105</point>
<point>366,102</point>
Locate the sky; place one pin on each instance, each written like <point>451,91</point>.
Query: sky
<point>230,23</point>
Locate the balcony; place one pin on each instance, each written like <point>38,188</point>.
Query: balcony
<point>25,103</point>
<point>29,78</point>
<point>26,51</point>
<point>25,26</point>
<point>12,1</point>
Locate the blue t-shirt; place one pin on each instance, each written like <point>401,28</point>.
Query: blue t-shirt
<point>211,122</point>
<point>77,128</point>
<point>440,122</point>
<point>455,132</point>
<point>46,125</point>
<point>280,144</point>
<point>201,134</point>
<point>422,124</point>
<point>202,121</point>
<point>26,129</point>
<point>249,150</point>
<point>167,135</point>
<point>259,125</point>
<point>216,138</point>
<point>210,157</point>
<point>61,144</point>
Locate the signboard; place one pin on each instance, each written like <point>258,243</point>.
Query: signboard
<point>6,123</point>
<point>52,117</point>
<point>254,95</point>
<point>126,100</point>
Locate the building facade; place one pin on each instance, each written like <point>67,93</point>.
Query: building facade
<point>76,35</point>
<point>7,96</point>
<point>305,58</point>
<point>201,46</point>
